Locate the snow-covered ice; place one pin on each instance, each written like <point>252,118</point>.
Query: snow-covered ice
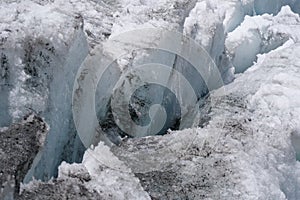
<point>261,34</point>
<point>248,146</point>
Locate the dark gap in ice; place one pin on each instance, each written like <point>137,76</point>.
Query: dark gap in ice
<point>295,137</point>
<point>144,97</point>
<point>148,95</point>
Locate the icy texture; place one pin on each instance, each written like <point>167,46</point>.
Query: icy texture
<point>247,151</point>
<point>274,103</point>
<point>241,158</point>
<point>253,156</point>
<point>210,21</point>
<point>165,76</point>
<point>139,14</point>
<point>114,177</point>
<point>41,50</point>
<point>260,34</point>
<point>239,154</point>
<point>100,176</point>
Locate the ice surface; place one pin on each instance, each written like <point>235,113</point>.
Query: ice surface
<point>261,34</point>
<point>42,49</point>
<point>249,144</point>
<point>101,175</point>
<point>256,112</point>
<point>115,177</point>
<point>209,23</point>
<point>247,151</point>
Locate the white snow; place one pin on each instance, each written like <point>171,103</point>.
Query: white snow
<point>260,34</point>
<point>272,89</point>
<point>109,176</point>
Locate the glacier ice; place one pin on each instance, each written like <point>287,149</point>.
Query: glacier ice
<point>257,111</point>
<point>241,159</point>
<point>159,74</point>
<point>261,34</point>
<point>296,143</point>
<point>41,69</point>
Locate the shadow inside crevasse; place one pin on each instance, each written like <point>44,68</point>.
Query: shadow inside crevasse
<point>173,96</point>
<point>295,137</point>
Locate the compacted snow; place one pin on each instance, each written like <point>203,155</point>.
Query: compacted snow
<point>247,141</point>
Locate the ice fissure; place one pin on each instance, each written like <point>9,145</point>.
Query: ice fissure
<point>38,69</point>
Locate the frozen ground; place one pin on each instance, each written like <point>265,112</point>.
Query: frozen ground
<point>248,146</point>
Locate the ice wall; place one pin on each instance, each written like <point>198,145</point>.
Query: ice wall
<point>5,85</point>
<point>62,142</point>
<point>295,138</point>
<point>149,17</point>
<point>259,35</point>
<point>38,66</point>
<point>157,72</point>
<point>211,22</point>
